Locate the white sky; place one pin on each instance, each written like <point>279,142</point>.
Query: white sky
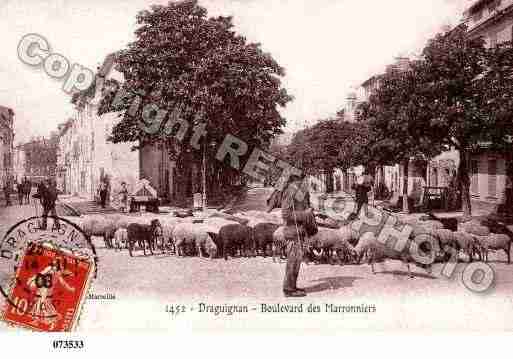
<point>326,46</point>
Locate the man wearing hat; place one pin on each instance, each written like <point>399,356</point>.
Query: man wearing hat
<point>47,194</point>
<point>362,188</point>
<point>299,223</point>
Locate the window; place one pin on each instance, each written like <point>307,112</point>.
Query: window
<point>492,177</point>
<point>474,180</point>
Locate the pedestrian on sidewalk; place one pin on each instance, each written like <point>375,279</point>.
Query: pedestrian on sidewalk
<point>362,188</point>
<point>7,192</point>
<point>20,189</point>
<point>124,197</point>
<point>299,222</point>
<point>47,194</point>
<point>102,192</point>
<point>27,188</point>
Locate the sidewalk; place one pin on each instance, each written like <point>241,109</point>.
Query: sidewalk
<point>378,204</point>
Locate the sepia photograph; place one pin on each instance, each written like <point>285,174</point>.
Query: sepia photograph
<point>255,166</point>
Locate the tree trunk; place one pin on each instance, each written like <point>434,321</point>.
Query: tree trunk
<point>406,206</point>
<point>464,183</point>
<point>329,180</point>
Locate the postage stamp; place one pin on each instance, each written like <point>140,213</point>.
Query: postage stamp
<point>50,273</point>
<point>49,288</point>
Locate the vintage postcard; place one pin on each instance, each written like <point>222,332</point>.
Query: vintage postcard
<point>256,166</point>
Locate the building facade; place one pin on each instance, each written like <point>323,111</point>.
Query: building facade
<point>6,144</point>
<point>85,156</point>
<point>39,156</point>
<point>19,163</point>
<point>491,172</point>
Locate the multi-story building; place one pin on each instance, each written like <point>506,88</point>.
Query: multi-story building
<point>37,158</point>
<point>86,156</point>
<point>491,172</point>
<point>6,143</point>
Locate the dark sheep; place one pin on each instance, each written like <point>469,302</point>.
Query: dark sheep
<point>263,236</point>
<point>236,236</point>
<point>144,235</point>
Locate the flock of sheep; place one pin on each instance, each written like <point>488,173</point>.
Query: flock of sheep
<point>255,233</point>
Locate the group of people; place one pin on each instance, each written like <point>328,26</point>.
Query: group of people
<point>23,189</point>
<point>103,194</point>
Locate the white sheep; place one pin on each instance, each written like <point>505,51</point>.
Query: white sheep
<point>168,226</point>
<point>100,226</point>
<point>120,238</point>
<point>467,243</point>
<point>331,242</point>
<point>495,242</point>
<point>193,235</point>
<point>279,243</point>
<point>375,249</point>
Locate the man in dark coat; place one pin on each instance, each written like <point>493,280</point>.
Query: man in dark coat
<point>27,187</point>
<point>20,189</point>
<point>47,194</point>
<point>362,189</point>
<point>299,222</point>
<point>7,192</point>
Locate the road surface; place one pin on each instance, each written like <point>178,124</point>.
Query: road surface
<point>143,286</point>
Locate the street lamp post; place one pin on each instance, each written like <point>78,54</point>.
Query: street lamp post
<point>204,172</point>
<point>204,175</point>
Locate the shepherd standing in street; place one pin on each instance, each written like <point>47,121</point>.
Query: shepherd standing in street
<point>299,222</point>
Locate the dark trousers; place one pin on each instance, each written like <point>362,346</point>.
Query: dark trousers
<point>359,204</point>
<point>49,210</point>
<point>103,198</point>
<point>294,259</point>
<point>7,198</point>
<point>20,198</point>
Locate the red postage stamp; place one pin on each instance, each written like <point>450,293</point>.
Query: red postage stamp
<point>48,290</point>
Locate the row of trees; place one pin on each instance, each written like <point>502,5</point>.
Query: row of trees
<point>329,144</point>
<point>457,94</point>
